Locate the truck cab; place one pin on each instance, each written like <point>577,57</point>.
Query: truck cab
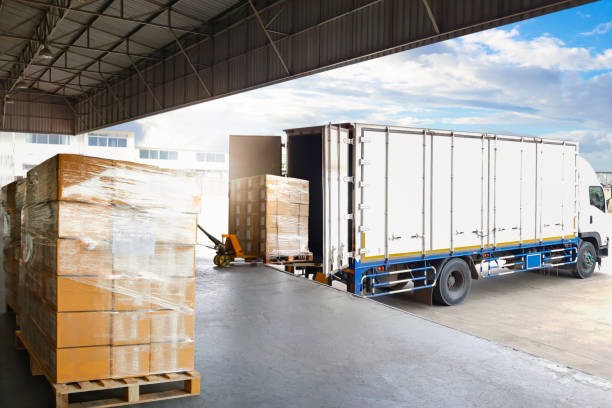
<point>594,220</point>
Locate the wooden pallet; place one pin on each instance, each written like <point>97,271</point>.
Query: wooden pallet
<point>185,384</point>
<point>284,260</point>
<point>132,388</point>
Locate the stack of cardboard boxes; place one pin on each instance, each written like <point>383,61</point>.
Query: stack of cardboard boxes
<point>11,201</point>
<point>269,214</point>
<point>107,284</point>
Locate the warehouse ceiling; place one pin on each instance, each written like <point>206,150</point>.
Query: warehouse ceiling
<point>74,66</point>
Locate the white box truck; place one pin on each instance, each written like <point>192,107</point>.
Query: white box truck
<point>396,209</point>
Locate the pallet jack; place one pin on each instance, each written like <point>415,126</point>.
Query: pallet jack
<point>228,250</point>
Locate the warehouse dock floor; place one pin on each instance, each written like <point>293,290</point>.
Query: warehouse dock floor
<point>267,339</point>
<point>550,315</point>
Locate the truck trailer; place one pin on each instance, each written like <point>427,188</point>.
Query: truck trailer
<point>397,209</point>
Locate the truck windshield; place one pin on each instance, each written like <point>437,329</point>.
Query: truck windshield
<point>597,198</point>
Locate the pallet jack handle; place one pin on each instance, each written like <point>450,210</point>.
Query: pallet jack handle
<point>211,237</point>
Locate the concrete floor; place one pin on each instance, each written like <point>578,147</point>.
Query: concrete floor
<point>267,339</point>
<point>556,317</point>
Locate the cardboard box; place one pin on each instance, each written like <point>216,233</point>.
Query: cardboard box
<point>269,214</point>
<point>81,364</point>
<point>79,294</point>
<point>173,293</point>
<point>131,294</point>
<point>81,329</point>
<point>172,326</point>
<point>71,257</point>
<point>142,186</point>
<point>72,178</point>
<point>169,357</point>
<point>130,361</point>
<point>131,328</point>
<point>49,221</point>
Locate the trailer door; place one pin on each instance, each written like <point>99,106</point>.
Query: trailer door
<point>336,198</point>
<point>405,193</point>
<point>254,155</point>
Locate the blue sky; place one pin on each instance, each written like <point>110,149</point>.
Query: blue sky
<point>550,77</point>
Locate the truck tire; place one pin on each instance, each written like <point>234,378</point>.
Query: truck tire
<point>587,259</point>
<point>454,282</point>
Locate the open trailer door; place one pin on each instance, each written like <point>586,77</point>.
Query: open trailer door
<point>254,155</point>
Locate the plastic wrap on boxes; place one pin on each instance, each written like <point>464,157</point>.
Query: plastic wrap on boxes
<point>108,268</point>
<point>11,202</point>
<point>269,214</point>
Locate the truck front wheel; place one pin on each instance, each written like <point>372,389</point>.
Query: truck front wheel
<point>454,282</point>
<point>587,259</point>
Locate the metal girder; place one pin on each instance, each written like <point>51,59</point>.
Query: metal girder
<point>79,47</point>
<point>193,68</point>
<point>146,84</point>
<point>431,16</point>
<point>270,40</point>
<point>104,6</point>
<point>43,30</point>
<point>126,37</point>
<point>147,21</point>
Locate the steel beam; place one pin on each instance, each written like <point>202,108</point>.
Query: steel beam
<point>41,33</point>
<point>267,34</point>
<point>147,21</point>
<point>128,35</point>
<point>431,16</point>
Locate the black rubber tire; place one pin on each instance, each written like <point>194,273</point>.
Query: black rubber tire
<point>454,283</point>
<point>216,260</point>
<point>586,262</point>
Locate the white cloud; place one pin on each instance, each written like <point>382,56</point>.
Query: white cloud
<point>600,29</point>
<point>490,81</point>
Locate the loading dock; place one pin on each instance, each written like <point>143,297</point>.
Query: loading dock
<point>273,346</point>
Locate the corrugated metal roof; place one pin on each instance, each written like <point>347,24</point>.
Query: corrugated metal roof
<point>116,60</point>
<point>110,33</point>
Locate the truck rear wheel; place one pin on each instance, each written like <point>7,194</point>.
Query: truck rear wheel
<point>587,259</point>
<point>454,282</point>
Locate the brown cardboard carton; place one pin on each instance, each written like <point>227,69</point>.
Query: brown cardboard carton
<point>180,190</point>
<point>173,293</point>
<point>168,357</point>
<point>81,329</point>
<point>81,294</point>
<point>172,326</point>
<point>81,364</point>
<point>269,214</point>
<point>131,328</point>
<point>131,293</point>
<point>71,257</point>
<point>63,219</point>
<point>72,178</point>
<point>130,361</point>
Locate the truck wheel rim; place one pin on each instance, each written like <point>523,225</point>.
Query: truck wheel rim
<point>455,281</point>
<point>588,260</point>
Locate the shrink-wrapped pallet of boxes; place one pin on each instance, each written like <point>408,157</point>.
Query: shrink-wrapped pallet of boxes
<point>107,286</point>
<point>11,201</point>
<point>269,215</point>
